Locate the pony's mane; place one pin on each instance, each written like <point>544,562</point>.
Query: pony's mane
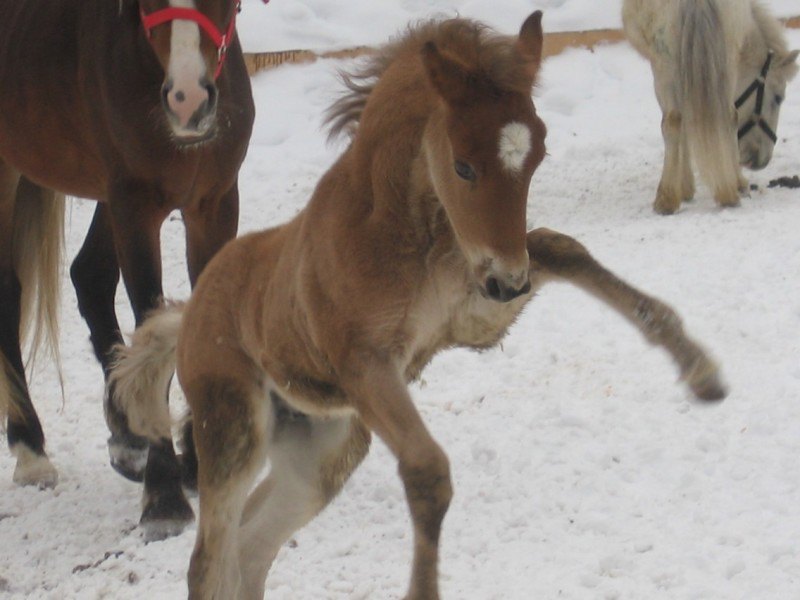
<point>489,56</point>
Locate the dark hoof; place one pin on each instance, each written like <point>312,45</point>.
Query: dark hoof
<point>165,516</point>
<point>128,457</point>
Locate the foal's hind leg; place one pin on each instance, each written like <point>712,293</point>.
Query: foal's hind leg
<point>310,458</point>
<point>554,255</point>
<point>24,432</point>
<point>233,425</point>
<point>95,275</point>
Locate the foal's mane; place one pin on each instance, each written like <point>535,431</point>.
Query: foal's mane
<point>488,56</point>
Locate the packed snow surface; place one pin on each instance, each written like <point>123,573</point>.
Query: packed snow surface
<point>582,468</point>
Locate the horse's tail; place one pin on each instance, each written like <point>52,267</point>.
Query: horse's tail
<point>706,92</point>
<point>142,372</point>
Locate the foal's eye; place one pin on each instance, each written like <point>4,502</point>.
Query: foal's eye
<point>465,171</point>
<point>778,99</point>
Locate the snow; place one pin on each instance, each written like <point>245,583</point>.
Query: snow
<point>582,469</point>
<point>333,25</point>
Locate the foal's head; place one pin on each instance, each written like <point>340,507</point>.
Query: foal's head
<point>482,147</point>
<point>761,89</point>
<point>190,39</point>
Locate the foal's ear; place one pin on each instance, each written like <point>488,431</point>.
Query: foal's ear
<point>530,41</point>
<point>448,76</point>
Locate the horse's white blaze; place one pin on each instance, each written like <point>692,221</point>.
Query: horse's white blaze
<point>186,67</point>
<point>515,144</point>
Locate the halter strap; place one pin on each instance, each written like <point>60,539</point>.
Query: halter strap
<point>173,13</point>
<point>757,86</point>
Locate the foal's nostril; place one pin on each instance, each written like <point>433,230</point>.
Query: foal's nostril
<point>493,288</point>
<point>500,292</point>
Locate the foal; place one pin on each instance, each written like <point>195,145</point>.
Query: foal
<point>715,63</point>
<point>300,340</point>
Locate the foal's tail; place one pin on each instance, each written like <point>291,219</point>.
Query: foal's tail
<point>37,248</point>
<point>706,92</point>
<point>142,372</point>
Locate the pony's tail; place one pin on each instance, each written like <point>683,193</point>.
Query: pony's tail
<point>142,372</point>
<point>706,92</point>
<point>37,249</point>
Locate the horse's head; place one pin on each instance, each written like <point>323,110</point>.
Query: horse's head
<point>190,39</point>
<point>482,146</point>
<point>758,103</point>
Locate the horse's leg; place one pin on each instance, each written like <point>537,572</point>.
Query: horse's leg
<point>209,225</point>
<point>669,194</point>
<point>310,460</point>
<point>383,402</point>
<point>95,275</point>
<point>136,218</point>
<point>24,431</point>
<point>235,422</point>
<point>685,168</point>
<point>557,256</point>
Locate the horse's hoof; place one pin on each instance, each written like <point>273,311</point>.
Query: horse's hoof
<point>33,469</point>
<point>126,459</point>
<point>161,529</point>
<point>165,515</point>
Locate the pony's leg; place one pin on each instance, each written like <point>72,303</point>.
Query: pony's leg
<point>24,432</point>
<point>557,256</point>
<point>136,219</point>
<point>95,275</point>
<point>685,168</point>
<point>235,422</point>
<point>310,458</point>
<point>668,196</point>
<point>385,405</point>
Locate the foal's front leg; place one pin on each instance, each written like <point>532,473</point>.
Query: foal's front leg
<point>557,256</point>
<point>384,404</point>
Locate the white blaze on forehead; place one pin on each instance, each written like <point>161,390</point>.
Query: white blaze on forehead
<point>515,144</point>
<point>185,61</point>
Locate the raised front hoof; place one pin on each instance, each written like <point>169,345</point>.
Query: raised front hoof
<point>33,469</point>
<point>128,459</point>
<point>706,382</point>
<point>165,518</point>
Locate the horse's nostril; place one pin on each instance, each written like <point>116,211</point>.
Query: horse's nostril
<point>211,90</point>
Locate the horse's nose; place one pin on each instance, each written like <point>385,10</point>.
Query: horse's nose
<point>502,291</point>
<point>191,106</point>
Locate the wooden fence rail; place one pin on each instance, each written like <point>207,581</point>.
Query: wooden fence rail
<point>554,43</point>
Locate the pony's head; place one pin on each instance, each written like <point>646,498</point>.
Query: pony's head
<point>190,39</point>
<point>761,89</point>
<point>482,145</point>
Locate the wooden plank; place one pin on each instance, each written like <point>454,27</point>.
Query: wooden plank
<point>554,43</point>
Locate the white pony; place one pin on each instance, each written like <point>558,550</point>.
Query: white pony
<point>720,69</point>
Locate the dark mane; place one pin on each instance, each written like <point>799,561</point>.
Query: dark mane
<point>492,58</point>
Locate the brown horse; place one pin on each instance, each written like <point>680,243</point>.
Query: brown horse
<point>143,105</point>
<point>299,341</point>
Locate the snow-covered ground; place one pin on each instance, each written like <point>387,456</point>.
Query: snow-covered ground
<point>582,469</point>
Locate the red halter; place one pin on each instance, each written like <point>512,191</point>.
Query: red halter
<point>172,13</point>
